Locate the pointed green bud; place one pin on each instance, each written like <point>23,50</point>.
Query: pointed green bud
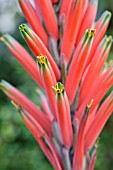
<point>109,41</point>
<point>97,143</point>
<point>106,15</point>
<point>4,86</point>
<point>7,39</point>
<point>86,35</point>
<point>24,30</point>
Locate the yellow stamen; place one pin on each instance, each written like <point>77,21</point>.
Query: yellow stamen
<point>91,103</point>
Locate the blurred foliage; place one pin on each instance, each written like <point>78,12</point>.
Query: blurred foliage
<point>18,149</point>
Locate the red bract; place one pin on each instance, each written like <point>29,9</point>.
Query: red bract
<point>70,67</point>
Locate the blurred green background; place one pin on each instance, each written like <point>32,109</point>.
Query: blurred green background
<point>18,149</point>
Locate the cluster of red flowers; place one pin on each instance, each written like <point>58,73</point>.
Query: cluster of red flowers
<point>71,52</point>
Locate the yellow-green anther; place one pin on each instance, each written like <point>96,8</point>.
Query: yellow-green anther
<point>92,32</point>
<point>7,39</point>
<point>41,59</point>
<point>59,88</point>
<point>4,86</point>
<point>42,62</point>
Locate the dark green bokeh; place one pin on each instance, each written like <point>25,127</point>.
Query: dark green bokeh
<point>18,149</point>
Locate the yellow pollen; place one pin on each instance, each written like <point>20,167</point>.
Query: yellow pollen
<point>91,103</point>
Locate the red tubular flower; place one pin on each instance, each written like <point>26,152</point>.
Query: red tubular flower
<point>73,26</point>
<point>99,121</point>
<point>44,141</point>
<point>79,148</point>
<point>65,21</point>
<point>101,86</point>
<point>64,8</point>
<point>88,18</point>
<point>97,63</point>
<point>44,105</point>
<point>55,1</point>
<point>49,15</point>
<point>38,10</point>
<point>34,20</point>
<point>63,115</point>
<point>49,80</point>
<point>84,7</point>
<point>42,138</point>
<point>100,33</point>
<point>23,57</point>
<point>65,127</point>
<point>26,104</point>
<point>93,157</point>
<point>79,66</point>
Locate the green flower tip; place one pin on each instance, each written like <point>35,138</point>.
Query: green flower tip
<point>97,143</point>
<point>41,59</point>
<point>25,30</point>
<point>58,89</point>
<point>107,15</point>
<point>4,86</point>
<point>89,34</point>
<point>87,109</point>
<point>109,64</point>
<point>7,39</point>
<point>109,41</point>
<point>22,27</point>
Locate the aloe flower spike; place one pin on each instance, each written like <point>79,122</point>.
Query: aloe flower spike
<point>72,71</point>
